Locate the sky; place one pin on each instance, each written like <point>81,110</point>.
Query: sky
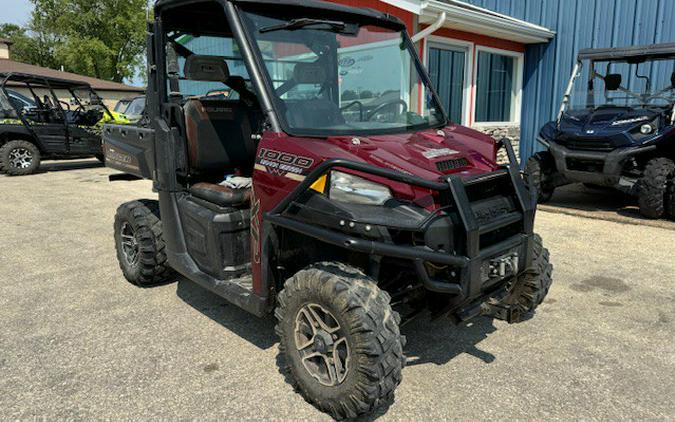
<point>15,11</point>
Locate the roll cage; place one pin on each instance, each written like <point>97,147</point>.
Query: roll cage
<point>34,82</point>
<point>631,55</point>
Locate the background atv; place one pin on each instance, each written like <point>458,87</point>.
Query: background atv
<point>616,128</point>
<point>343,218</point>
<point>46,127</point>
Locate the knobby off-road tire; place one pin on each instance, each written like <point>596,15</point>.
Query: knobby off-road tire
<point>653,185</point>
<point>540,168</point>
<point>19,158</point>
<point>2,171</point>
<point>141,251</point>
<point>530,288</point>
<point>670,198</point>
<point>370,371</point>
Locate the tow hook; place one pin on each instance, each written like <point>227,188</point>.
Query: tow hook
<point>503,266</point>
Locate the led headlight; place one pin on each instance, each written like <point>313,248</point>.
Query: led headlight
<point>356,190</point>
<point>646,129</point>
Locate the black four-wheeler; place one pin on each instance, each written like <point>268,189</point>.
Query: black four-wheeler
<point>616,128</point>
<point>338,215</point>
<point>46,126</point>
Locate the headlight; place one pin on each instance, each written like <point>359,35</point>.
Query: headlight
<point>646,129</point>
<point>356,190</point>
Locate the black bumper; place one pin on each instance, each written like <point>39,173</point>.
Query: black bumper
<point>473,266</point>
<point>594,167</point>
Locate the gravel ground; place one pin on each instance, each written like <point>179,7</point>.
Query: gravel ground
<point>78,342</point>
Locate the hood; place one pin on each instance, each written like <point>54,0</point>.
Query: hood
<point>606,120</point>
<point>428,154</point>
<point>604,128</point>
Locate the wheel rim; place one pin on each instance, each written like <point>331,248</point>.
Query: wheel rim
<point>322,345</point>
<point>20,158</point>
<point>129,244</point>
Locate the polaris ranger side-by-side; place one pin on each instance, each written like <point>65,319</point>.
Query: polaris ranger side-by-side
<point>616,127</point>
<point>47,127</point>
<point>341,216</point>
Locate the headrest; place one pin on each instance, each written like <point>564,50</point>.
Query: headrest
<point>206,68</point>
<point>309,73</point>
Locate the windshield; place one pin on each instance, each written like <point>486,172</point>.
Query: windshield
<point>621,84</point>
<point>122,106</point>
<point>338,78</point>
<point>136,107</point>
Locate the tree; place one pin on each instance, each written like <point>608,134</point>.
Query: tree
<point>103,39</point>
<point>28,48</point>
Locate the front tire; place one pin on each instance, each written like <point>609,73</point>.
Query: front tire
<point>540,168</point>
<point>340,344</point>
<point>670,198</point>
<point>529,289</point>
<point>19,158</point>
<point>141,251</point>
<point>652,187</point>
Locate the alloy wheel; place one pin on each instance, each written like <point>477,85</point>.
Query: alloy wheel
<point>20,158</point>
<point>322,345</point>
<point>130,247</point>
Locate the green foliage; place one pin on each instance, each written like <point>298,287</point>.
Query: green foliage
<point>29,47</point>
<point>103,39</point>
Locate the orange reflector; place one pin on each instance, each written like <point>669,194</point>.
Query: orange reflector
<point>320,184</point>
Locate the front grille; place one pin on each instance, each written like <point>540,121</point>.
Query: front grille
<point>579,164</point>
<point>448,165</point>
<point>589,144</point>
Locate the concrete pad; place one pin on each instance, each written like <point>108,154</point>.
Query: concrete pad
<point>600,204</point>
<point>77,342</point>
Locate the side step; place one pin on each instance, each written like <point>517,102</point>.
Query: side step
<point>238,291</point>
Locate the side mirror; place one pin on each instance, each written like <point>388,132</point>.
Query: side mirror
<point>613,81</point>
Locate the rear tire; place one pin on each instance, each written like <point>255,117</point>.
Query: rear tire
<point>530,288</point>
<point>540,168</point>
<point>141,251</point>
<point>19,158</point>
<point>653,185</point>
<point>358,337</point>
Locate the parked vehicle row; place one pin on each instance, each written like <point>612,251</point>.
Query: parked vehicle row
<point>47,127</point>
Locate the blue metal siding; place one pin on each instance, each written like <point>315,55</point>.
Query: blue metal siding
<point>578,24</point>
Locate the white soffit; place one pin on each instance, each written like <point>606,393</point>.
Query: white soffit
<point>466,17</point>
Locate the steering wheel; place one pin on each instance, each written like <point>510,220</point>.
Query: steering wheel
<point>381,107</point>
<point>65,104</point>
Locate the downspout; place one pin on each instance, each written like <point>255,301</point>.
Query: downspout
<point>430,29</point>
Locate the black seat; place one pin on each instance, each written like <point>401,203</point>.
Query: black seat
<point>220,195</point>
<point>219,135</point>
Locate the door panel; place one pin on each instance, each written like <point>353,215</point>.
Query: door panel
<point>447,69</point>
<point>52,136</point>
<point>84,140</point>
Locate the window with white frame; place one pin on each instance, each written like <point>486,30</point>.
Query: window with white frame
<point>449,62</point>
<point>497,85</point>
